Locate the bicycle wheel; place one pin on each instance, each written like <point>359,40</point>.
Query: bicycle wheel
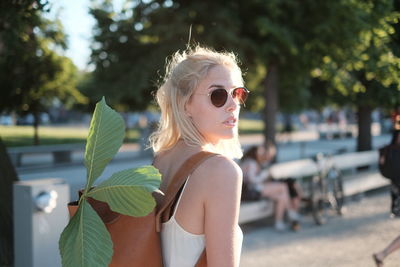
<point>335,190</point>
<point>318,203</point>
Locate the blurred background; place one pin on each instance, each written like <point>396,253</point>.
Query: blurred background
<point>331,67</point>
<point>317,70</point>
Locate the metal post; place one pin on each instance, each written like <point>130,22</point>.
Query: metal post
<point>40,215</point>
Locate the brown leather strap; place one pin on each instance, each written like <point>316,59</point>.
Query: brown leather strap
<point>177,182</point>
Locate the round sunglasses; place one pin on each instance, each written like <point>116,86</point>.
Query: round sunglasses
<point>219,96</point>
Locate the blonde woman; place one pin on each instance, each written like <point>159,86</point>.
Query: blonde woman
<point>200,101</point>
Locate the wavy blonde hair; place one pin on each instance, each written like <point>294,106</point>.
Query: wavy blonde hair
<point>184,71</point>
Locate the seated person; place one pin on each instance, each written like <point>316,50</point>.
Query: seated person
<point>257,184</point>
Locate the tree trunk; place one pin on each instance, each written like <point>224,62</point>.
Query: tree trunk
<point>287,127</point>
<point>36,121</point>
<point>271,96</point>
<point>364,139</point>
<point>7,177</point>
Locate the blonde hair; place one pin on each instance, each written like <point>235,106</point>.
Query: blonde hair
<point>184,71</point>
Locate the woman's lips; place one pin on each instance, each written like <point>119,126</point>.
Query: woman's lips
<point>230,122</point>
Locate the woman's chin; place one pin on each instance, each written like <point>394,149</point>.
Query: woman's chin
<point>228,136</point>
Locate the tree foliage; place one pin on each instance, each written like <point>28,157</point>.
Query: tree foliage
<point>368,77</point>
<point>293,38</point>
<point>285,47</point>
<point>33,71</point>
<point>130,47</point>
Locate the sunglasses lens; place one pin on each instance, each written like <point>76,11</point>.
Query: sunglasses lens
<point>219,97</point>
<point>240,94</point>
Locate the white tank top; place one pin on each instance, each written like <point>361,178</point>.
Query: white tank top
<point>181,248</point>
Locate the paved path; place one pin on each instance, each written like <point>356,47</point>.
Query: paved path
<point>346,241</point>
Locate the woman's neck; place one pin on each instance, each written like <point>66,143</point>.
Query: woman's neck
<point>182,145</point>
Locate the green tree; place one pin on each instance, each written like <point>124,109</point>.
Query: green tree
<point>368,78</point>
<point>34,74</point>
<point>280,42</point>
<point>292,38</point>
<point>287,39</point>
<point>130,47</point>
<point>14,18</point>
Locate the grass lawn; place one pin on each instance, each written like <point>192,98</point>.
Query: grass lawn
<point>23,135</point>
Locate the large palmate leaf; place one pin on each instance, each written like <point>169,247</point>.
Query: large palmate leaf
<point>106,133</point>
<point>85,241</point>
<point>129,191</point>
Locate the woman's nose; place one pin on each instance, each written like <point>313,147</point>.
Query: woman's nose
<point>232,104</point>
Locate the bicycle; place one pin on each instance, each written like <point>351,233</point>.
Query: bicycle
<point>326,189</point>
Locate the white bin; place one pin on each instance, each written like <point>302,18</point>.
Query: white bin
<point>40,215</point>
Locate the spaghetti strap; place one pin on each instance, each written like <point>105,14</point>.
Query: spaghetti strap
<point>179,199</point>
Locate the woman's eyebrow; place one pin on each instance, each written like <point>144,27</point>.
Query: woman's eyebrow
<point>216,85</point>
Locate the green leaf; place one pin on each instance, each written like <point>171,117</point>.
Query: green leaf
<point>85,241</point>
<point>129,191</point>
<point>106,133</point>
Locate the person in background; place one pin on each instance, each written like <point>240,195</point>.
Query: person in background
<point>389,166</point>
<point>395,185</point>
<point>389,161</point>
<point>395,116</point>
<point>380,256</point>
<point>257,184</point>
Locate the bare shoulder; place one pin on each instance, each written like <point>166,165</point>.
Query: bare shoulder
<point>218,170</point>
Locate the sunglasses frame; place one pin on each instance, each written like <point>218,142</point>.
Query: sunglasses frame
<point>228,93</point>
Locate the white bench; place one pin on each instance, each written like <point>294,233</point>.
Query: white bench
<point>294,169</point>
<point>61,152</point>
<point>362,180</point>
<point>254,210</point>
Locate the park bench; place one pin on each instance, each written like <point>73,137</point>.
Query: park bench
<point>61,153</point>
<point>334,131</point>
<point>358,173</point>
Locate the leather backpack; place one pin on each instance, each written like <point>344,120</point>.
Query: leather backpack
<point>136,240</point>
